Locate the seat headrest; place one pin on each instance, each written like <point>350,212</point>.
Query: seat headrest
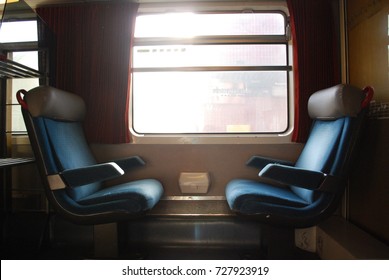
<point>53,103</point>
<point>336,102</point>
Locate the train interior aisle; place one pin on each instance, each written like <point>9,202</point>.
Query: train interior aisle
<point>153,238</point>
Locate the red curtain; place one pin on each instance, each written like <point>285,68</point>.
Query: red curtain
<point>316,54</point>
<point>92,53</point>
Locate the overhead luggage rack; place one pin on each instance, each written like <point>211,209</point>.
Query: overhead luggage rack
<point>6,162</point>
<point>11,69</point>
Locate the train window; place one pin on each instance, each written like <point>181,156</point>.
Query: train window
<point>19,35</point>
<point>19,31</point>
<point>210,73</point>
<point>30,59</point>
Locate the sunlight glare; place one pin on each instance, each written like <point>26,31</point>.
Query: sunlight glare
<point>176,25</point>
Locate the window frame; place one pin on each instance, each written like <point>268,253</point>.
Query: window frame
<point>222,138</point>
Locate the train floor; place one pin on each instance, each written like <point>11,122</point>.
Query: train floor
<point>31,235</point>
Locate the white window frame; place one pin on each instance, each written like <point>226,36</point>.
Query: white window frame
<point>225,138</point>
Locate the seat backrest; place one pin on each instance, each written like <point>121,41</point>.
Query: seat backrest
<point>337,118</point>
<point>55,117</point>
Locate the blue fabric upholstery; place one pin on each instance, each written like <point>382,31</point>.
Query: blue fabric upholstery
<point>319,151</point>
<point>240,193</point>
<point>60,147</point>
<point>328,151</point>
<point>71,151</point>
<point>142,193</point>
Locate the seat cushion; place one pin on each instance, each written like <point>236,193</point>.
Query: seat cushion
<point>242,193</point>
<point>142,194</point>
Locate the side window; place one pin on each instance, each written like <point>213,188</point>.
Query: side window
<point>210,73</point>
<point>17,35</point>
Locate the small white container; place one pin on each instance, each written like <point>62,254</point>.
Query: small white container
<point>194,182</point>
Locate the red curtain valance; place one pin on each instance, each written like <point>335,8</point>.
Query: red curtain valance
<point>92,53</point>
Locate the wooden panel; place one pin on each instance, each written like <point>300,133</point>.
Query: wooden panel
<point>368,65</point>
<point>368,45</point>
<point>369,185</point>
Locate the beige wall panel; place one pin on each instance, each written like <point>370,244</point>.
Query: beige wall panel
<point>368,45</point>
<point>223,162</point>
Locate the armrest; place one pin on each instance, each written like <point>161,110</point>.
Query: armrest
<point>130,163</point>
<point>260,162</point>
<point>307,179</point>
<point>91,174</point>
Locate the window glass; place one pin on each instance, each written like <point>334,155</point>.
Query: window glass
<point>210,55</point>
<point>30,59</point>
<point>211,73</point>
<point>191,25</point>
<point>210,102</point>
<point>18,31</point>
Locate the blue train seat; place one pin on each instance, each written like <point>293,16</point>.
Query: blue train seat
<point>307,191</point>
<point>73,179</point>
